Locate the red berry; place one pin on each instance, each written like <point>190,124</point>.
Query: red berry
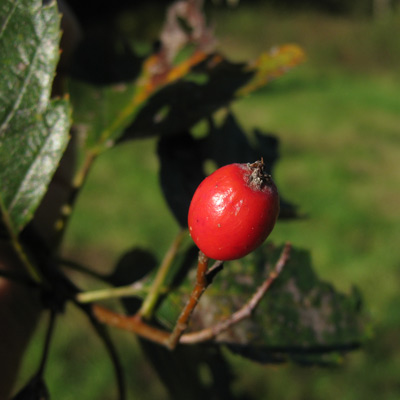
<point>233,211</point>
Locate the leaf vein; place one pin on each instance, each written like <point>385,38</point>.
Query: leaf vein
<point>25,85</point>
<point>7,18</point>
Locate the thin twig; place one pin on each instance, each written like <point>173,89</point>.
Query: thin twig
<point>80,268</point>
<point>111,349</point>
<point>135,289</point>
<point>15,241</point>
<point>151,299</point>
<point>213,270</point>
<point>136,325</point>
<point>244,312</point>
<point>77,184</point>
<point>18,277</point>
<point>130,323</point>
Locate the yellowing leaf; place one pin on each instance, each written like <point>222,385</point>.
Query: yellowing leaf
<point>271,65</point>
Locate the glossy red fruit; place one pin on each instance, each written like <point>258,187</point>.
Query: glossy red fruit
<point>233,211</point>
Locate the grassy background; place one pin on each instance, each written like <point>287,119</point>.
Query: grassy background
<point>338,119</point>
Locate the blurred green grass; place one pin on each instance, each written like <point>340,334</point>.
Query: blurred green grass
<point>338,120</point>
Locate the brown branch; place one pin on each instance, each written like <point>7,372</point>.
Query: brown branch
<point>244,312</point>
<point>201,284</point>
<point>136,325</point>
<point>132,324</point>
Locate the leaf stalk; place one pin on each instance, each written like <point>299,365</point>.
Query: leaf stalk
<point>155,291</point>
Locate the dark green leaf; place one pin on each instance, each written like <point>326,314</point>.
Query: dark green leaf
<point>33,129</point>
<point>35,389</point>
<point>182,371</point>
<point>184,260</point>
<point>207,87</point>
<point>301,317</point>
<point>109,345</point>
<point>167,99</point>
<point>180,173</point>
<point>101,114</point>
<point>132,266</point>
<point>183,160</point>
<point>101,86</point>
<point>98,112</point>
<point>104,59</point>
<point>228,143</point>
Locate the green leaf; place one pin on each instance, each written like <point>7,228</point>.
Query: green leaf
<point>173,100</point>
<point>33,129</point>
<point>101,113</point>
<point>211,83</point>
<point>301,317</point>
<point>181,172</point>
<point>184,260</point>
<point>183,160</point>
<point>102,58</point>
<point>131,267</point>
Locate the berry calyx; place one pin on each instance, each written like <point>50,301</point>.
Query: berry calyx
<point>233,210</point>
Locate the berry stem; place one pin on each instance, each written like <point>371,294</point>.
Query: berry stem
<point>204,277</point>
<point>136,324</point>
<point>201,285</point>
<point>246,311</point>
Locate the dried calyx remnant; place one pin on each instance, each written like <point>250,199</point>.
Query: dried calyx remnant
<point>258,178</point>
